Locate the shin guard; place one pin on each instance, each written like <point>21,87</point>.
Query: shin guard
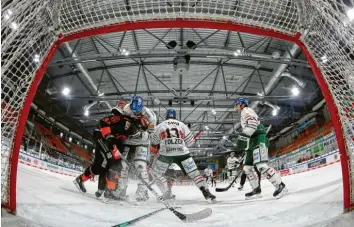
<point>251,176</point>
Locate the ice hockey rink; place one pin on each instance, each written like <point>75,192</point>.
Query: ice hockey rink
<point>314,199</point>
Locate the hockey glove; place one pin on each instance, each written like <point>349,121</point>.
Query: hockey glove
<point>243,142</point>
<point>143,122</point>
<point>115,153</point>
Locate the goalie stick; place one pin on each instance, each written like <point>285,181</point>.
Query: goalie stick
<point>184,217</point>
<point>228,187</point>
<point>133,221</point>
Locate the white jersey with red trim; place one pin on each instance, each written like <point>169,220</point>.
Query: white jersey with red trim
<point>208,172</point>
<point>249,121</point>
<point>144,140</point>
<point>232,163</point>
<point>174,138</point>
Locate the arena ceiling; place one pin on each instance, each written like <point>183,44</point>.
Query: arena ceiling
<point>198,72</point>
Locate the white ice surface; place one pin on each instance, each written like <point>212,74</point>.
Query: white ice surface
<point>315,198</point>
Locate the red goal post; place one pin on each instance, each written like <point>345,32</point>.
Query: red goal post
<point>32,30</point>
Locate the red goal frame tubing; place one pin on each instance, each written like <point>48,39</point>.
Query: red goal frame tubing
<point>178,23</point>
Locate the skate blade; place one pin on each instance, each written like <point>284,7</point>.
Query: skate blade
<point>140,203</point>
<point>253,197</point>
<point>284,192</point>
<point>78,187</point>
<point>211,201</point>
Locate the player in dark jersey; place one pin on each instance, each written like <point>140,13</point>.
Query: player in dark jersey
<point>112,130</point>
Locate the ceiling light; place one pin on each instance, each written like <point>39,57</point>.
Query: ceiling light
<point>238,52</point>
<point>86,113</point>
<point>14,25</point>
<point>7,14</point>
<point>100,93</point>
<point>125,52</point>
<point>295,91</point>
<point>224,137</point>
<point>260,94</point>
<point>70,139</point>
<point>324,59</point>
<point>191,45</point>
<point>206,127</point>
<point>350,14</point>
<point>171,45</point>
<point>213,111</point>
<point>85,146</point>
<point>61,135</point>
<point>36,58</point>
<point>65,91</point>
<point>93,151</point>
<point>275,112</point>
<point>198,145</point>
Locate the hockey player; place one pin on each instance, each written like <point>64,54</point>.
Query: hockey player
<point>136,150</point>
<point>208,172</point>
<point>253,140</point>
<point>232,164</point>
<point>174,138</point>
<point>112,131</point>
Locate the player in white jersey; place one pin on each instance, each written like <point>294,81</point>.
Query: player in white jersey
<point>174,138</point>
<point>254,141</point>
<point>232,164</point>
<point>136,150</point>
<point>208,172</point>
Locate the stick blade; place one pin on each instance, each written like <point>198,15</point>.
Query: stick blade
<point>221,189</point>
<point>198,215</point>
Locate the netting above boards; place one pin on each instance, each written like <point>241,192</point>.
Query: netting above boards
<point>30,29</point>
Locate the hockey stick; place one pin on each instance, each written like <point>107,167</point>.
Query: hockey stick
<point>184,217</point>
<point>140,218</point>
<point>228,187</point>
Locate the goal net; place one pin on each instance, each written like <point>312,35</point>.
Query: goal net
<point>33,29</point>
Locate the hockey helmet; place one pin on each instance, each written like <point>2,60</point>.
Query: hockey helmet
<point>171,113</point>
<point>241,101</point>
<point>137,104</point>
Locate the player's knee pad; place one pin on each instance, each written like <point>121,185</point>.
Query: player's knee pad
<point>192,171</point>
<point>141,154</point>
<point>251,176</point>
<point>159,168</point>
<point>269,172</point>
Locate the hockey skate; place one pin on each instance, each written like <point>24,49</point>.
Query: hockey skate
<point>99,193</point>
<point>240,188</point>
<point>141,195</point>
<point>280,191</point>
<point>110,194</point>
<point>256,193</point>
<point>207,195</point>
<point>169,196</point>
<point>79,184</point>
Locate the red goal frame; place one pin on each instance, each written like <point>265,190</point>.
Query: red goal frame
<point>178,23</point>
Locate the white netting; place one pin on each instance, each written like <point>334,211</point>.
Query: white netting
<point>28,25</point>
